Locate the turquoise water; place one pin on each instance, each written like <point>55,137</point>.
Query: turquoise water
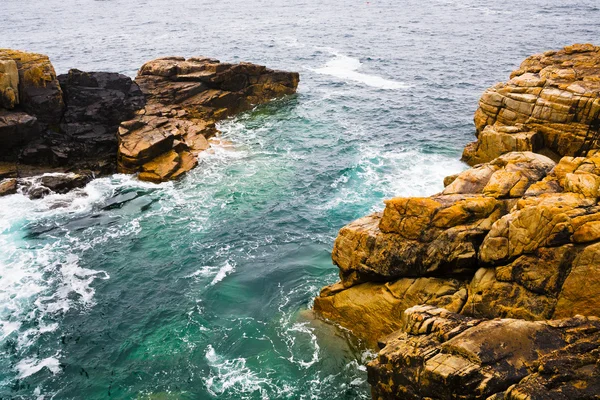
<point>199,289</point>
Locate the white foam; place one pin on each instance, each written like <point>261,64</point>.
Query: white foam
<point>40,283</point>
<point>346,68</point>
<point>405,173</point>
<point>31,366</point>
<point>225,270</point>
<point>233,375</point>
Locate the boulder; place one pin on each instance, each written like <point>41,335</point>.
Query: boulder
<point>8,186</point>
<point>48,183</point>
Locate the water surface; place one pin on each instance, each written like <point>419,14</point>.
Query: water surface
<point>199,289</point>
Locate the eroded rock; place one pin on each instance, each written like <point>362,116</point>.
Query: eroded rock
<point>552,101</point>
<point>184,100</point>
<point>441,355</point>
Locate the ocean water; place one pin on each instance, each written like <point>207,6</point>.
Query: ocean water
<point>200,289</point>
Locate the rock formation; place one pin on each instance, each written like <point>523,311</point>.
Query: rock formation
<point>105,123</point>
<point>438,354</point>
<point>184,100</point>
<point>551,104</point>
<point>508,245</point>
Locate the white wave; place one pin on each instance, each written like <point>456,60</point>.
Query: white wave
<point>233,375</point>
<point>346,68</point>
<point>402,173</point>
<point>31,366</point>
<point>39,283</point>
<point>225,270</point>
<point>217,273</point>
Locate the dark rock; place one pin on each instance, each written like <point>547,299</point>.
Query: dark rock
<point>16,128</point>
<point>96,103</point>
<point>61,183</point>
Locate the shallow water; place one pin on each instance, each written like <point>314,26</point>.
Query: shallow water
<point>199,289</point>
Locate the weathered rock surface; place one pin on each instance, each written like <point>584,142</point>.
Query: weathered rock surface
<point>39,90</point>
<point>551,102</point>
<point>375,309</point>
<point>515,237</point>
<point>105,122</point>
<point>184,100</point>
<point>442,355</point>
<point>522,230</point>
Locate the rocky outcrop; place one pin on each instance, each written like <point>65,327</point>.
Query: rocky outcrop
<point>184,100</point>
<point>53,183</point>
<point>501,265</point>
<point>519,232</point>
<point>105,122</point>
<point>438,354</point>
<point>69,121</point>
<point>551,104</point>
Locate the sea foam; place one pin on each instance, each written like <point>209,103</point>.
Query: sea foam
<point>347,69</point>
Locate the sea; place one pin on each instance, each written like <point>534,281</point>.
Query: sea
<point>202,288</point>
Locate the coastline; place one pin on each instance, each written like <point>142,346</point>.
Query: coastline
<point>439,283</point>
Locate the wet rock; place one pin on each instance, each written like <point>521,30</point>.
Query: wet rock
<point>61,183</point>
<point>184,100</point>
<point>8,186</point>
<point>441,355</point>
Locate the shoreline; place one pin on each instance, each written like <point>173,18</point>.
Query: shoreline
<point>432,281</point>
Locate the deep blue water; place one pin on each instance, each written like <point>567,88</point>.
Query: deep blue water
<point>199,289</point>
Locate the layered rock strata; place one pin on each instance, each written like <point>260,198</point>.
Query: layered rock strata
<point>438,354</point>
<point>103,122</point>
<point>516,237</point>
<point>551,104</point>
<point>184,99</point>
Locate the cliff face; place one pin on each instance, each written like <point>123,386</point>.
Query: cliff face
<point>549,105</point>
<point>101,123</point>
<point>516,237</point>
